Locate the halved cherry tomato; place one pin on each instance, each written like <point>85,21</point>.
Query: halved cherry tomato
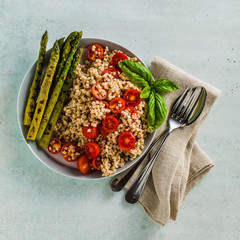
<point>117,105</point>
<point>83,164</point>
<point>70,151</point>
<point>94,52</point>
<point>132,111</point>
<point>92,149</point>
<point>90,132</point>
<point>55,146</point>
<point>98,91</point>
<point>118,57</point>
<point>111,70</point>
<point>103,132</point>
<point>96,162</point>
<point>126,141</point>
<point>132,97</point>
<point>106,104</point>
<point>110,124</point>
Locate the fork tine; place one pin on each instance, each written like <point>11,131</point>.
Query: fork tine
<point>184,103</point>
<point>193,103</point>
<point>178,102</point>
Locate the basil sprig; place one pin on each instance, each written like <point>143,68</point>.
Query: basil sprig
<point>137,73</point>
<point>164,85</point>
<point>145,92</point>
<point>153,90</point>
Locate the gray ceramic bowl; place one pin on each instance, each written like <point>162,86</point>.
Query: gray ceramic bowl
<point>56,162</point>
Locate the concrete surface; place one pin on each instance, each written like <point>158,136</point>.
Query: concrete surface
<point>202,37</point>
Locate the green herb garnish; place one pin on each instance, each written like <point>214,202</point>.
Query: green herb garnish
<point>153,90</point>
<point>164,85</point>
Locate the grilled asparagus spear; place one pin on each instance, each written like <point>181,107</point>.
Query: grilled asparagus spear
<point>44,91</point>
<point>34,90</point>
<point>66,47</point>
<point>44,142</point>
<point>60,42</point>
<point>57,88</point>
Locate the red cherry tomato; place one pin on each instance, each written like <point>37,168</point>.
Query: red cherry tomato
<point>132,97</point>
<point>104,133</point>
<point>111,70</point>
<point>83,164</point>
<point>118,57</point>
<point>96,163</point>
<point>90,132</point>
<point>55,146</point>
<point>106,104</point>
<point>117,105</point>
<point>110,124</point>
<point>94,52</point>
<point>98,91</point>
<point>132,111</point>
<point>92,149</point>
<point>71,152</point>
<point>126,141</point>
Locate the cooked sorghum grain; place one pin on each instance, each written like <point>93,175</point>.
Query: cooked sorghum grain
<point>84,110</point>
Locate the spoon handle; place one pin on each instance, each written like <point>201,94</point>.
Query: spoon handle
<point>135,191</point>
<point>117,183</point>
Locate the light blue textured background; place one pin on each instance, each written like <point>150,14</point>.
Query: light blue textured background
<point>203,38</point>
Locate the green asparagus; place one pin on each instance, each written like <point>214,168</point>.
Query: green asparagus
<point>44,91</point>
<point>66,47</point>
<point>58,87</point>
<point>60,42</point>
<point>34,90</point>
<point>44,142</point>
<point>61,45</point>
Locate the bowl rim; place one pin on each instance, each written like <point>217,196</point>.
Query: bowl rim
<point>81,177</point>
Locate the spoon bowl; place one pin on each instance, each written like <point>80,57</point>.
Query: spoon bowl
<point>199,107</point>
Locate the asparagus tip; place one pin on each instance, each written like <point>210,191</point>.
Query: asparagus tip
<point>45,34</point>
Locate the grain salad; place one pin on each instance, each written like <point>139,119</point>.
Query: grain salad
<point>91,106</point>
<point>86,113</point>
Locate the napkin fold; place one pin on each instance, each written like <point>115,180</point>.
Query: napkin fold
<point>181,163</point>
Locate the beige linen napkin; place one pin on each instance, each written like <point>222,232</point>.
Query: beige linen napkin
<point>181,163</point>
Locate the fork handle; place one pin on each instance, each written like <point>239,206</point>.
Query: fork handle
<point>118,182</point>
<point>135,191</point>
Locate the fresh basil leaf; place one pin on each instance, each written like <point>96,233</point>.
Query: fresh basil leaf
<point>145,92</point>
<point>157,110</point>
<point>137,73</point>
<point>151,111</point>
<point>164,86</point>
<point>160,110</point>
